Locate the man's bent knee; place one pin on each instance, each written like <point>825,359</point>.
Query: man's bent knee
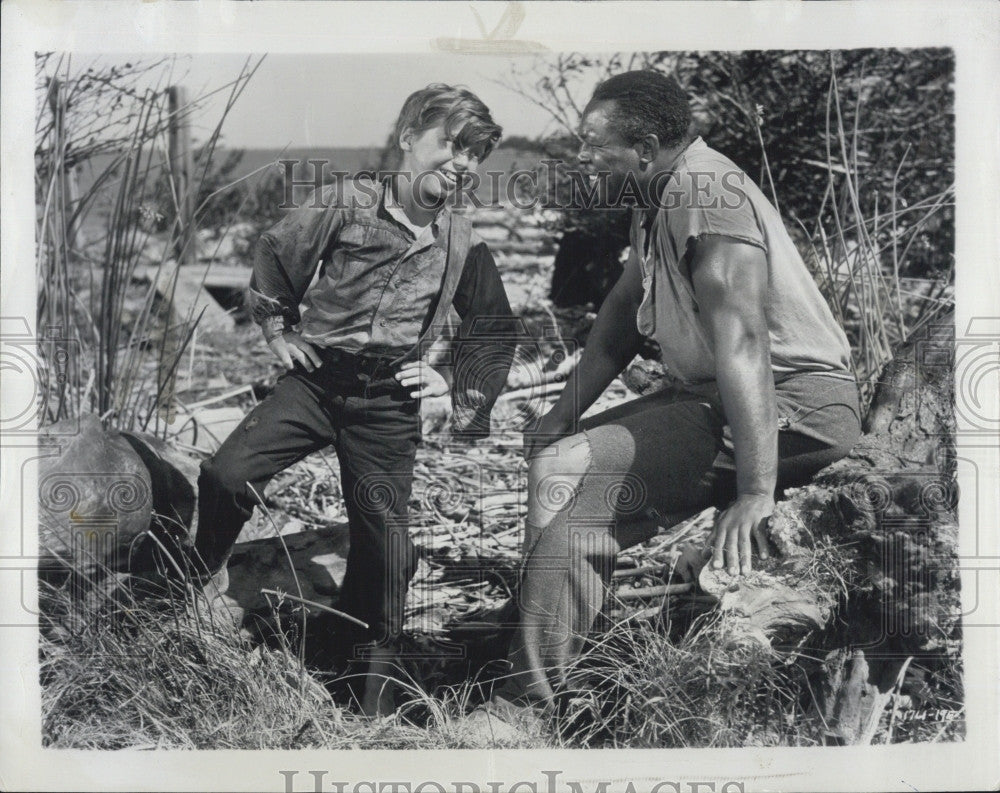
<point>554,478</point>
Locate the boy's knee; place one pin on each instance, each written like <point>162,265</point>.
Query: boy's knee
<point>221,475</point>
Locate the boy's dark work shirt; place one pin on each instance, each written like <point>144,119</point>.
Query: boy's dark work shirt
<point>368,285</point>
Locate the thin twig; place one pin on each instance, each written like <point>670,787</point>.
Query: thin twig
<point>319,606</point>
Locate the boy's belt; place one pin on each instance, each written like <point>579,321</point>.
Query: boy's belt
<point>365,367</point>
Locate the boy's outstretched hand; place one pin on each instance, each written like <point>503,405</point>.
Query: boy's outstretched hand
<point>290,348</point>
<point>424,377</point>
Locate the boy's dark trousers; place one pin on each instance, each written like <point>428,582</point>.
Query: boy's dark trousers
<point>356,405</point>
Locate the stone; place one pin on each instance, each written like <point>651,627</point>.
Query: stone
<point>95,498</point>
<point>319,560</point>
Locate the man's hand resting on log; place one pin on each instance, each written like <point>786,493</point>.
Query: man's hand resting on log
<point>730,540</point>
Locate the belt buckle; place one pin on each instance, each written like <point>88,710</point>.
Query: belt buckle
<point>368,367</point>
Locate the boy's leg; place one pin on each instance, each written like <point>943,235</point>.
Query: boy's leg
<point>377,446</point>
<point>292,422</point>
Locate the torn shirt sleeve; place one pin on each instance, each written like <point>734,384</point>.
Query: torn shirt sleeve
<point>286,257</point>
<point>486,342</point>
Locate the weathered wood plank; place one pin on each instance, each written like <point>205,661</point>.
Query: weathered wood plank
<point>182,287</point>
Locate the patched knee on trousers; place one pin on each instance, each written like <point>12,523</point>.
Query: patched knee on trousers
<point>554,479</point>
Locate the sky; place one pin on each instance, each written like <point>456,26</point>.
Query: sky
<point>338,99</point>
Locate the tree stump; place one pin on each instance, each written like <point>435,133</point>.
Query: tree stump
<point>868,550</point>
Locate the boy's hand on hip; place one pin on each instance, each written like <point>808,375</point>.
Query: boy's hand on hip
<point>290,348</point>
<point>423,377</point>
<point>746,517</point>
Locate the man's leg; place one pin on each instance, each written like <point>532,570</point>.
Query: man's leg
<point>289,424</point>
<point>586,497</point>
<point>377,447</point>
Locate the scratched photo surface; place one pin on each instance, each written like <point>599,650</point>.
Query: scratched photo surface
<point>156,176</point>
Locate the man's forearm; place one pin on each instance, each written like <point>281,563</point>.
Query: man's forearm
<point>746,386</point>
<point>271,300</point>
<point>612,343</point>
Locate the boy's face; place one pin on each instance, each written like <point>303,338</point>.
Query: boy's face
<point>436,166</point>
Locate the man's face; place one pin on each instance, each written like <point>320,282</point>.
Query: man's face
<point>435,164</point>
<point>604,151</point>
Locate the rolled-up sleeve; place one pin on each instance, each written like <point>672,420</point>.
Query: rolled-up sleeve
<point>286,257</point>
<point>486,341</point>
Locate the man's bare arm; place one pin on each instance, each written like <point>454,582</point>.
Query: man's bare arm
<point>730,282</point>
<point>613,342</point>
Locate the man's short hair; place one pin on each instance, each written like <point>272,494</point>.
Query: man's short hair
<point>646,102</point>
<point>466,119</point>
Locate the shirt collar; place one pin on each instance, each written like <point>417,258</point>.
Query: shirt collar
<point>390,204</point>
<point>693,145</point>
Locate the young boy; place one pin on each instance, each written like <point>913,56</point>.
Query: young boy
<point>392,258</point>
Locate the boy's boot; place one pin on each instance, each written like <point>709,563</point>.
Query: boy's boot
<point>381,683</point>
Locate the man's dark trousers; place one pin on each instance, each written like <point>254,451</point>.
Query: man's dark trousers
<point>374,426</point>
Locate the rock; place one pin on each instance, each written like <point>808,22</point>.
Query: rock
<point>319,557</point>
<point>646,376</point>
<point>95,498</point>
<point>174,478</point>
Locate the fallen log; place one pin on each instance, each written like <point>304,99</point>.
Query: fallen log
<point>212,276</point>
<point>872,541</point>
<point>182,288</point>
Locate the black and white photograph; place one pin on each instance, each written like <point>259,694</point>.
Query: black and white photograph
<point>461,402</point>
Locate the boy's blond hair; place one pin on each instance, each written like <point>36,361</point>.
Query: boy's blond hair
<point>464,116</point>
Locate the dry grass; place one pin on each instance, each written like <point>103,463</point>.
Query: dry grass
<point>174,680</point>
<point>176,674</point>
<point>638,687</point>
<point>83,282</point>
